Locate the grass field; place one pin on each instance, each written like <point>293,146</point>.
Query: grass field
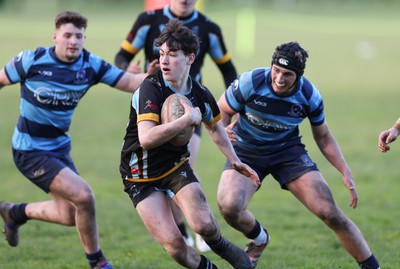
<point>354,61</point>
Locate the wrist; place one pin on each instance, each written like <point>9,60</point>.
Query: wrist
<point>396,126</point>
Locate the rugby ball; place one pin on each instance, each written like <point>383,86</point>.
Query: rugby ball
<point>171,110</point>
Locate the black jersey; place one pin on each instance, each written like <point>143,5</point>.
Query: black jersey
<point>140,165</point>
<point>148,27</point>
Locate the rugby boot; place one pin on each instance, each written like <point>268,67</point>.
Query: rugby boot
<point>10,229</point>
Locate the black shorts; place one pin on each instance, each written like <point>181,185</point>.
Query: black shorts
<point>171,184</point>
<point>285,165</point>
<point>42,167</point>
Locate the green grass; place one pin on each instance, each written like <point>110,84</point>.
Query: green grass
<point>361,98</point>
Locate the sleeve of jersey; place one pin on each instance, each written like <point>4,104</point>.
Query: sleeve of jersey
<point>16,69</point>
<point>217,51</point>
<point>105,72</point>
<point>317,114</point>
<point>211,113</point>
<point>148,102</point>
<point>237,93</point>
<point>136,38</point>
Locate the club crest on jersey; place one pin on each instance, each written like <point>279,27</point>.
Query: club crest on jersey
<point>80,77</point>
<point>296,111</point>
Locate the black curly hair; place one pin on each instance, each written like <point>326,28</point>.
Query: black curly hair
<point>178,37</point>
<point>291,56</point>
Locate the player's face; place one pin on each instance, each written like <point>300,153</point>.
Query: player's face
<point>69,41</point>
<point>182,8</point>
<point>282,80</point>
<point>175,65</point>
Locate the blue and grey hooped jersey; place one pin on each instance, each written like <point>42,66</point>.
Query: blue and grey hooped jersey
<point>50,91</point>
<point>269,119</point>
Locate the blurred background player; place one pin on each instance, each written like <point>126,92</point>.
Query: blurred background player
<point>146,29</point>
<point>388,136</point>
<point>272,103</point>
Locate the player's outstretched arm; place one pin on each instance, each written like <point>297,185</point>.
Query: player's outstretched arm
<point>330,149</point>
<point>130,82</point>
<point>220,138</point>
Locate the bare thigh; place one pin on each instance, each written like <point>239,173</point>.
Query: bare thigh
<point>312,190</point>
<point>157,217</point>
<point>195,207</point>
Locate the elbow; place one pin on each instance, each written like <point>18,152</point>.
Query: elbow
<point>145,144</point>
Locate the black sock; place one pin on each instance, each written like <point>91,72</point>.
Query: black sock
<point>255,232</point>
<point>18,215</point>
<point>205,263</point>
<point>370,263</point>
<point>218,246</point>
<point>215,243</point>
<point>182,229</point>
<point>94,258</point>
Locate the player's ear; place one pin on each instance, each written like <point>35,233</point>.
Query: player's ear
<point>191,58</point>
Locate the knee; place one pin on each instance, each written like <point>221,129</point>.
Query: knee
<point>230,208</point>
<point>86,198</point>
<point>334,218</point>
<point>206,229</point>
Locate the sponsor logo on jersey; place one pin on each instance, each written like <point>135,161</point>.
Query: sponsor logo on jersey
<point>19,56</point>
<point>268,124</point>
<point>53,97</point>
<point>46,73</point>
<point>150,105</point>
<point>136,171</point>
<point>235,84</point>
<point>260,103</point>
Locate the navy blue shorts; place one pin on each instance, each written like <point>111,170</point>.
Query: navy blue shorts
<point>42,167</point>
<point>285,164</point>
<point>171,184</point>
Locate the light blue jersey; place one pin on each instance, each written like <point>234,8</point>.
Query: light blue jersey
<point>50,91</point>
<point>267,119</point>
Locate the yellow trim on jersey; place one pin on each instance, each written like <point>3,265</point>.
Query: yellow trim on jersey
<point>128,47</point>
<point>211,123</point>
<point>224,59</point>
<point>149,116</point>
<point>157,178</point>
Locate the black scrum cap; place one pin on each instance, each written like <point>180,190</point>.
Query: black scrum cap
<point>290,56</point>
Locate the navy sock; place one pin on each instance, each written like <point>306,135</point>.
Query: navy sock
<point>255,232</point>
<point>18,215</point>
<point>214,244</point>
<point>94,258</point>
<point>370,263</point>
<point>205,263</point>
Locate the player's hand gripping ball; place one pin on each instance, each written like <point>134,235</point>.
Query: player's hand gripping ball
<point>171,110</point>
